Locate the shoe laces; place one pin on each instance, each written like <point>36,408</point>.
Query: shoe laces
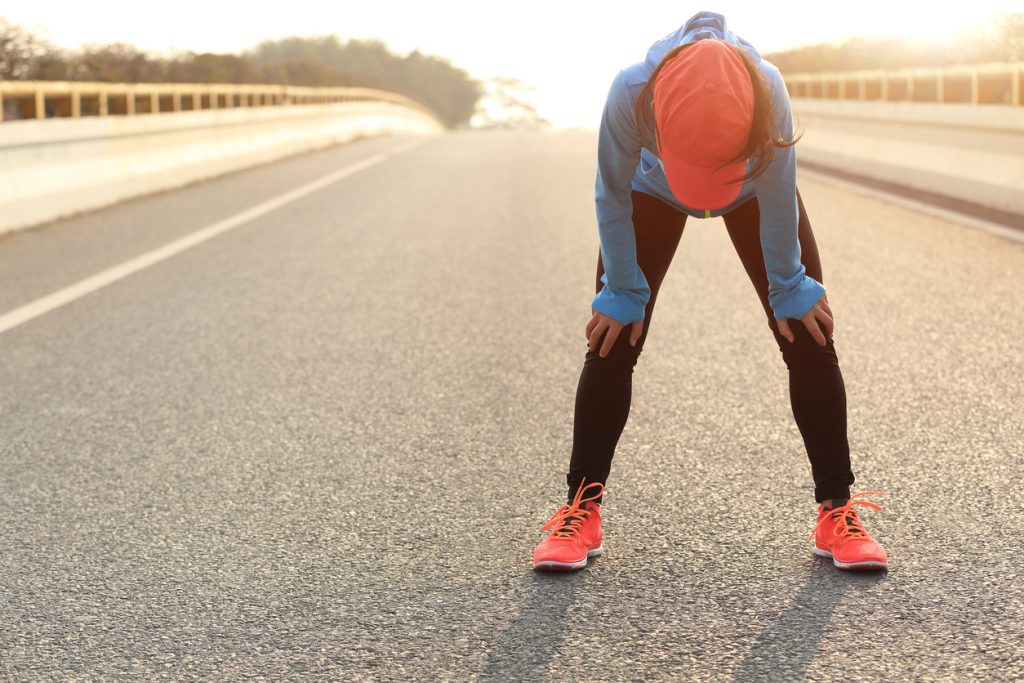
<point>849,525</point>
<point>568,519</point>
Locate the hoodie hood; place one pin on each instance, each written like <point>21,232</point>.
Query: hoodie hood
<point>700,26</point>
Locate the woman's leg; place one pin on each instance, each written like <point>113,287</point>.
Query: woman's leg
<point>605,387</point>
<point>816,389</point>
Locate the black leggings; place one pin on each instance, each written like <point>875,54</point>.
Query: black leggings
<point>816,389</point>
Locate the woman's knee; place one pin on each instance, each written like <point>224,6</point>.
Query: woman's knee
<point>804,349</point>
<point>622,357</point>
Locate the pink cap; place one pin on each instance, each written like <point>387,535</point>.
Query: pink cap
<point>704,109</point>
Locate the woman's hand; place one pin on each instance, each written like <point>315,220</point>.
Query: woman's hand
<point>819,313</point>
<point>600,323</point>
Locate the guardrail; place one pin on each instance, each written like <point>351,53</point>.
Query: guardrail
<point>979,84</point>
<point>88,145</point>
<point>970,153</point>
<point>74,99</point>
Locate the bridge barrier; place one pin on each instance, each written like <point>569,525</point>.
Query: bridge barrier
<point>62,160</point>
<point>51,99</point>
<point>981,84</point>
<point>969,153</point>
<point>955,131</point>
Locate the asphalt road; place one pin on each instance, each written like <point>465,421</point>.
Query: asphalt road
<point>320,445</point>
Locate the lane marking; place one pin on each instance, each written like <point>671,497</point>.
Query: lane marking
<point>906,202</point>
<point>111,275</point>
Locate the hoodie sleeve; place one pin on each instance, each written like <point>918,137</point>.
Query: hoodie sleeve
<point>625,292</point>
<point>791,292</point>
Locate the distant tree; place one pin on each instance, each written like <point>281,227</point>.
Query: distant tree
<point>50,65</point>
<point>304,72</point>
<point>115,63</point>
<point>505,104</point>
<point>23,56</point>
<point>447,90</point>
<point>1012,30</point>
<point>999,40</point>
<point>439,85</point>
<point>210,67</point>
<point>314,61</point>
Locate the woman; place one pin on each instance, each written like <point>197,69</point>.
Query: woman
<point>703,128</point>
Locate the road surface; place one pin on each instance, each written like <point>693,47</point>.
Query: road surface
<point>319,445</point>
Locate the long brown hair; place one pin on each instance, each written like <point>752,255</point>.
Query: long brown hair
<point>764,134</point>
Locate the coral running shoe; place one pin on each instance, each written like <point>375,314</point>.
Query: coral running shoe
<point>840,535</point>
<point>576,534</point>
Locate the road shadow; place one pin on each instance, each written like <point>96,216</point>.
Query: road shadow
<point>525,649</point>
<point>787,648</point>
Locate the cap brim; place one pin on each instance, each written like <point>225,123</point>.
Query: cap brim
<point>703,188</point>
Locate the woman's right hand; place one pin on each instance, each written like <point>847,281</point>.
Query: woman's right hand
<point>819,322</point>
<point>600,324</point>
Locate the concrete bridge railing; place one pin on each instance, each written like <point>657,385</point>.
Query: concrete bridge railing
<point>21,100</point>
<point>998,83</point>
<point>95,146</point>
<point>956,132</point>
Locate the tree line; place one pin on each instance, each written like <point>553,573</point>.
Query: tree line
<point>442,87</point>
<point>445,89</point>
<point>1001,39</point>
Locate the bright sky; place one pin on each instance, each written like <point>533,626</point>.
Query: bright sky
<point>568,49</point>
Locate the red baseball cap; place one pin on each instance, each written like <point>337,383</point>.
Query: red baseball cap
<point>704,109</point>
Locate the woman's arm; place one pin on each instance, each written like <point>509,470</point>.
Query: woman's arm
<point>791,292</point>
<point>625,292</point>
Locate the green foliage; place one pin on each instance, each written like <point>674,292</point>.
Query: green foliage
<point>324,60</point>
<point>312,61</point>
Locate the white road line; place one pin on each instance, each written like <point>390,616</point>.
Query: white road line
<point>111,275</point>
<point>923,207</point>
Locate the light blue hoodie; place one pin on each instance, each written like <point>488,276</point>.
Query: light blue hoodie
<point>627,160</point>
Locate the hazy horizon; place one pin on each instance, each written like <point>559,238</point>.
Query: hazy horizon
<point>569,52</point>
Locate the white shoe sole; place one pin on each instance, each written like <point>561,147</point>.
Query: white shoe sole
<point>849,565</point>
<point>579,564</point>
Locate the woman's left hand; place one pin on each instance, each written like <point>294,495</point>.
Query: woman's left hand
<point>819,313</point>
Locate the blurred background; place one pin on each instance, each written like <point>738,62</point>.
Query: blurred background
<point>475,63</point>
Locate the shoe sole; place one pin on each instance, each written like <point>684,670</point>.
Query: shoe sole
<point>856,566</point>
<point>551,565</point>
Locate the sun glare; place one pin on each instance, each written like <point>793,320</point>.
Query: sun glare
<point>566,52</point>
